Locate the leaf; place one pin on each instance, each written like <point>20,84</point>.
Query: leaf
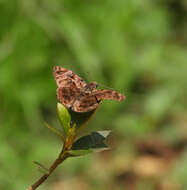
<point>81,119</point>
<point>93,142</point>
<point>41,168</point>
<point>54,130</point>
<point>79,152</point>
<point>64,116</point>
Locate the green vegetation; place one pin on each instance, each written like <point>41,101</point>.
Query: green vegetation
<point>136,47</point>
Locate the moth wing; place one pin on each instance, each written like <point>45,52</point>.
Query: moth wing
<point>85,103</point>
<point>60,75</point>
<point>108,95</point>
<point>67,95</point>
<point>67,89</point>
<point>64,77</point>
<point>80,83</point>
<point>89,102</point>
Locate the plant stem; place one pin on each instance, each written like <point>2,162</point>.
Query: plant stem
<point>62,156</point>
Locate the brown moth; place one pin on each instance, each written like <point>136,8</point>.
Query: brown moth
<point>73,92</point>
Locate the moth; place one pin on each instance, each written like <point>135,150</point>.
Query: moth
<point>74,93</point>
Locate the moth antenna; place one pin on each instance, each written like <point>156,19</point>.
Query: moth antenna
<point>107,87</point>
<point>89,76</point>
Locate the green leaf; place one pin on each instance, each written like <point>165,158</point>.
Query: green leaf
<point>41,168</point>
<point>81,119</point>
<point>54,130</point>
<point>79,152</point>
<point>93,142</point>
<point>64,116</point>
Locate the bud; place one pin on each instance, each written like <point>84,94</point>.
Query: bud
<point>64,117</point>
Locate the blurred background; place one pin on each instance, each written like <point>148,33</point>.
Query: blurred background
<point>136,47</point>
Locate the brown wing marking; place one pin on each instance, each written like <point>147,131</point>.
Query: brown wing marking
<point>67,95</point>
<point>108,95</point>
<point>85,103</point>
<point>58,71</point>
<point>64,76</point>
<point>80,83</point>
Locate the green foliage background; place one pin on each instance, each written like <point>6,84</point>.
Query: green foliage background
<point>137,47</point>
